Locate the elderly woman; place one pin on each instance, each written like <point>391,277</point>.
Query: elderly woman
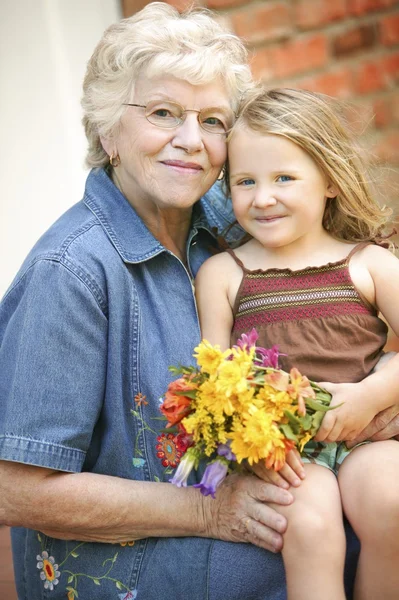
<point>100,308</point>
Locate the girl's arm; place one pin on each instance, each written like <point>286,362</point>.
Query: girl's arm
<point>363,402</point>
<point>212,287</point>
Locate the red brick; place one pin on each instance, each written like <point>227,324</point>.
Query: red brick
<point>221,4</point>
<point>263,22</point>
<point>369,78</point>
<point>357,38</point>
<point>334,83</point>
<point>386,110</point>
<point>386,148</point>
<point>182,5</point>
<point>390,67</point>
<point>261,65</point>
<point>389,28</point>
<point>311,14</point>
<point>299,56</point>
<point>361,7</point>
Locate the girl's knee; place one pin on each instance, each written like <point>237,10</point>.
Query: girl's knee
<point>312,528</point>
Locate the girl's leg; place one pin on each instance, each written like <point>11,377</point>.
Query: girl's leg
<point>369,484</point>
<point>314,543</point>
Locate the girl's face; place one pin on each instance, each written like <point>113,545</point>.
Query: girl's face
<point>278,191</point>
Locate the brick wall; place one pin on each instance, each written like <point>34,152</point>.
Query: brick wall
<point>346,48</point>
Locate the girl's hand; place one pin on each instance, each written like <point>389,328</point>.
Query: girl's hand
<point>291,474</point>
<point>347,421</point>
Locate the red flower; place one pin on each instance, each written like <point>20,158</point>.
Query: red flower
<point>176,406</point>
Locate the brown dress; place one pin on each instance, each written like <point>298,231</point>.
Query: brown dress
<point>315,316</point>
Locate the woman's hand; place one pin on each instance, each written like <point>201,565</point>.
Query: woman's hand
<point>292,472</point>
<point>241,512</point>
<point>347,421</point>
<point>384,426</point>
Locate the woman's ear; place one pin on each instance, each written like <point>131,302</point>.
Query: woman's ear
<point>109,146</point>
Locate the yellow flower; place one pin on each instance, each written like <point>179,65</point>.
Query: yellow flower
<point>275,402</point>
<point>307,436</point>
<point>208,357</point>
<point>257,438</point>
<point>230,379</point>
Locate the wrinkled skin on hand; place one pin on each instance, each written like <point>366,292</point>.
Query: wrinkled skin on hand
<point>241,512</point>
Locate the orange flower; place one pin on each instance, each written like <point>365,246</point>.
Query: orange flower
<point>276,459</point>
<point>299,389</point>
<point>176,406</point>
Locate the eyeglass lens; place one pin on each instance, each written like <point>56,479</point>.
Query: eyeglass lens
<point>170,114</point>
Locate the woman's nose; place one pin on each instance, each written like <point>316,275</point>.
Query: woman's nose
<point>189,135</point>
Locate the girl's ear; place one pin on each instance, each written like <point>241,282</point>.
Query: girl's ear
<point>332,191</point>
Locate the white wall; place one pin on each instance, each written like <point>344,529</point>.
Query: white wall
<point>44,48</point>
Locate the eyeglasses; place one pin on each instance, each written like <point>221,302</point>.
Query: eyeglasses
<point>165,114</point>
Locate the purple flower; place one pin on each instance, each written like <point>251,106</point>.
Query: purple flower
<point>268,357</point>
<point>225,450</point>
<point>183,470</point>
<point>212,478</point>
<point>247,340</point>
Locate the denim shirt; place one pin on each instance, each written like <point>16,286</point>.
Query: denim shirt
<point>88,328</point>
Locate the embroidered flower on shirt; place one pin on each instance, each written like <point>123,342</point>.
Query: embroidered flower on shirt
<point>168,450</point>
<point>49,570</point>
<point>131,595</point>
<point>140,399</point>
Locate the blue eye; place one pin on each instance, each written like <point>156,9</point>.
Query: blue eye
<point>284,178</point>
<point>246,182</point>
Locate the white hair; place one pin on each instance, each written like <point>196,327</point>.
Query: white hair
<point>158,40</point>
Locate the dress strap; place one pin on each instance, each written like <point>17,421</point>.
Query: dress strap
<point>358,247</point>
<point>236,259</point>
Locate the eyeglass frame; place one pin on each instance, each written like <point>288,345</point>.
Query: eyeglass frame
<point>185,110</point>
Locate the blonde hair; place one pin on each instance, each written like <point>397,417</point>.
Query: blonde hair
<point>315,123</point>
<point>156,41</point>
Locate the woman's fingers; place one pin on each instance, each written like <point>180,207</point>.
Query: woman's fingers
<point>245,511</point>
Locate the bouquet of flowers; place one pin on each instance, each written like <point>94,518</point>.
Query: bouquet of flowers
<point>237,406</point>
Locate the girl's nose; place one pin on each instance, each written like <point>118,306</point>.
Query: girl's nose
<point>264,198</point>
<point>189,134</point>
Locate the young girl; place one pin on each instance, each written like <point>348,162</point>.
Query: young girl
<point>312,279</point>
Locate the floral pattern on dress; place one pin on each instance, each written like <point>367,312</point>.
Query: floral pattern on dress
<point>50,572</point>
<point>167,450</point>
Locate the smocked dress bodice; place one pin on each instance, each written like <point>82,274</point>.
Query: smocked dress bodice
<point>315,316</point>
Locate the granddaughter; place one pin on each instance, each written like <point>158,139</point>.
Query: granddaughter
<point>311,278</point>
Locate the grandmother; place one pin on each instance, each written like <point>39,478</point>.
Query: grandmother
<point>100,308</point>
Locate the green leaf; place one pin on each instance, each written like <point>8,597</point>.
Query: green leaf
<point>74,554</point>
<point>96,581</point>
<point>156,478</point>
<point>306,422</point>
<point>70,579</point>
<point>316,420</point>
<point>316,406</point>
<point>39,537</point>
<point>119,585</point>
<point>289,434</point>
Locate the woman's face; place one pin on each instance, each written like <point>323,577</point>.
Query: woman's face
<point>168,168</point>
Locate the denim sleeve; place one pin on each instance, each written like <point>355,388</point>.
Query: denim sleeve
<point>219,212</point>
<point>53,336</point>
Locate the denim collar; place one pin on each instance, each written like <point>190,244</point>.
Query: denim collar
<point>126,230</point>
